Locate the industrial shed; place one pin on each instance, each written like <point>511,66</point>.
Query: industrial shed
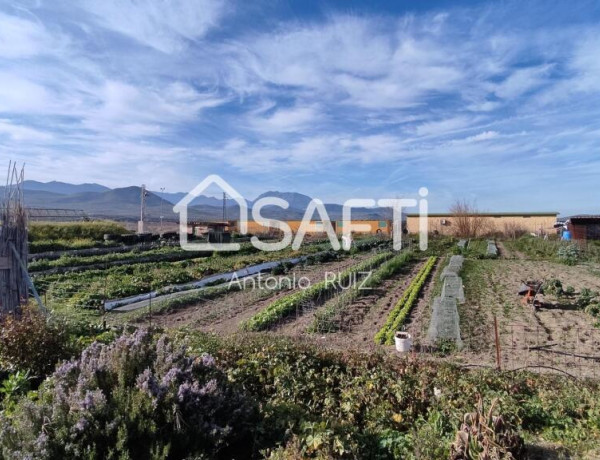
<point>495,222</point>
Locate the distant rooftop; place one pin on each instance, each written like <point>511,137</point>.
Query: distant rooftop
<point>491,214</point>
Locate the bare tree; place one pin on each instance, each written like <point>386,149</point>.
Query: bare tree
<point>514,230</point>
<point>468,222</point>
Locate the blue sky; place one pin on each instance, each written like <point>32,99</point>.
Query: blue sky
<point>494,102</point>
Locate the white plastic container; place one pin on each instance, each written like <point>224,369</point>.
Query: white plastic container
<point>403,341</point>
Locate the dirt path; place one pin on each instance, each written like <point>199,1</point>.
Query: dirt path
<point>506,253</point>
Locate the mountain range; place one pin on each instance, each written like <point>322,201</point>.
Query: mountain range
<point>99,201</point>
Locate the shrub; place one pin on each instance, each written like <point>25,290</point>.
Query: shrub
<point>553,287</point>
<point>586,297</point>
<point>569,254</point>
<point>13,387</point>
<point>30,343</point>
<point>135,398</point>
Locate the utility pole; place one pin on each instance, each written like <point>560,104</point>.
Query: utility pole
<point>142,209</point>
<point>224,206</point>
<point>162,189</point>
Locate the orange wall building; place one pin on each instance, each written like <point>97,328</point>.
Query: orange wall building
<point>495,222</point>
<point>376,227</point>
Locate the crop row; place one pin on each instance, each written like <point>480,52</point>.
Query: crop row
<point>283,306</point>
<point>88,289</point>
<point>165,254</point>
<point>402,309</point>
<point>328,318</point>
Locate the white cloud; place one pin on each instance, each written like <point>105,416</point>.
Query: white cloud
<point>484,136</point>
<point>22,38</point>
<point>522,80</point>
<point>286,120</point>
<point>338,93</point>
<point>21,95</point>
<point>22,133</point>
<point>444,127</point>
<point>368,62</point>
<point>165,26</point>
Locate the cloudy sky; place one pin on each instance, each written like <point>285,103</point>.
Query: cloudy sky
<point>497,102</point>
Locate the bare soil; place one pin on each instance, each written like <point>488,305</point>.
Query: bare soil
<point>367,316</point>
<point>540,339</point>
<point>361,321</point>
<point>223,315</point>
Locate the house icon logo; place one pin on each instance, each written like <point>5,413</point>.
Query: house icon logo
<point>182,209</point>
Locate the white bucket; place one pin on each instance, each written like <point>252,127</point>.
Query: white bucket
<point>403,341</point>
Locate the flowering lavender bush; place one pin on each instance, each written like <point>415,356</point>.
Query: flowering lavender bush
<point>135,398</point>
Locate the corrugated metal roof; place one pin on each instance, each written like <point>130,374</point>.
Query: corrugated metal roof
<point>584,216</point>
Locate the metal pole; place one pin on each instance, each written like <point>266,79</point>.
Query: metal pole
<point>143,203</point>
<point>497,338</point>
<point>162,189</point>
<point>150,304</point>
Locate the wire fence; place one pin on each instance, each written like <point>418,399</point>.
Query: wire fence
<point>571,350</point>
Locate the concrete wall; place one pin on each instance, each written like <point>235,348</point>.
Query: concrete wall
<point>443,223</point>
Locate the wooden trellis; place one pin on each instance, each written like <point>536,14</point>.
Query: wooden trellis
<point>15,282</point>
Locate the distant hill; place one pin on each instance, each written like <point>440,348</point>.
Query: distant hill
<point>296,200</point>
<point>124,203</point>
<point>176,197</point>
<point>62,187</point>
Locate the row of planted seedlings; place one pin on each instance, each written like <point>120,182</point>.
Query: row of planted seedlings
<point>285,306</point>
<point>404,306</point>
<point>67,263</point>
<point>117,256</point>
<point>330,318</point>
<point>89,289</point>
<point>150,254</point>
<point>187,298</point>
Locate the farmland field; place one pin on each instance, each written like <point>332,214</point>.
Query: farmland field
<point>351,318</point>
<point>333,320</point>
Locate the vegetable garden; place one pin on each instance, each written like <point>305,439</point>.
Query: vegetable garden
<point>268,393</point>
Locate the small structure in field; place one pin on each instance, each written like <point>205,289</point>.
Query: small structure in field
<point>13,244</point>
<point>14,279</point>
<point>583,227</point>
